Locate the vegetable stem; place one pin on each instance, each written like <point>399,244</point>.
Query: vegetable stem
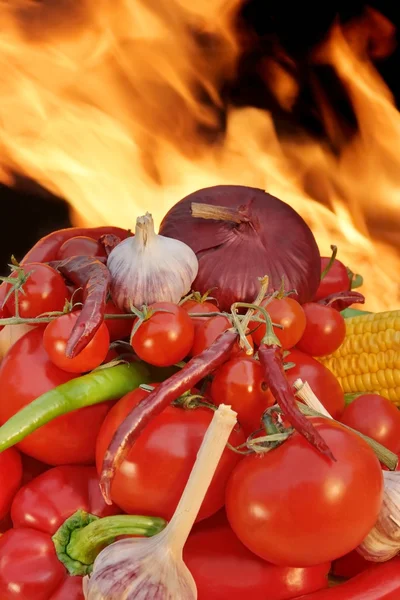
<point>217,213</point>
<point>208,457</point>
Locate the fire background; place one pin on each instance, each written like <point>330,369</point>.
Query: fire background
<point>28,212</point>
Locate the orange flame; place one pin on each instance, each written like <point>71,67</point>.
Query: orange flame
<point>115,106</point>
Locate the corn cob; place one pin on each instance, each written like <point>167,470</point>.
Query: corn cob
<point>369,358</point>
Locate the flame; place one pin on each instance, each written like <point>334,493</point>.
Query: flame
<point>116,106</point>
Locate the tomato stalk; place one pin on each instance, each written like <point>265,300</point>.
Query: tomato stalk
<point>330,263</point>
<point>82,537</point>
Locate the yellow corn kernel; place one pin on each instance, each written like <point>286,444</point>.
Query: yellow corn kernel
<point>369,358</point>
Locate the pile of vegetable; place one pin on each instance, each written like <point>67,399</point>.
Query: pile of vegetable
<point>197,413</point>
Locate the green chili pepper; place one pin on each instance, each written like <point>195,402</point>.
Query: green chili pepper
<point>98,386</point>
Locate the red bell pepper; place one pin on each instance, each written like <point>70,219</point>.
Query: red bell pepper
<point>10,478</point>
<point>54,540</point>
<point>224,569</point>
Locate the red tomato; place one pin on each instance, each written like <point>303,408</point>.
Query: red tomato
<point>26,373</point>
<point>240,384</point>
<point>208,332</point>
<point>225,569</point>
<point>293,506</point>
<point>81,246</point>
<point>10,478</point>
<point>118,329</point>
<point>286,312</point>
<point>151,479</point>
<point>193,306</point>
<point>55,340</point>
<point>322,381</point>
<point>43,291</point>
<point>336,280</point>
<point>166,337</point>
<point>325,330</point>
<point>376,417</point>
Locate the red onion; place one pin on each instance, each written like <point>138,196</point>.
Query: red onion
<point>239,234</point>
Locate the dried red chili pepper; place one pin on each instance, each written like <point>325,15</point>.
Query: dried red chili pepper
<point>342,300</point>
<point>381,582</point>
<point>46,249</point>
<point>271,360</point>
<point>109,241</point>
<point>94,277</point>
<point>168,391</point>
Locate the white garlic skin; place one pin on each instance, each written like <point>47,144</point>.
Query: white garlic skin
<point>139,569</point>
<point>383,541</point>
<point>149,268</point>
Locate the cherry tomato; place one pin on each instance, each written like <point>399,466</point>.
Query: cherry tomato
<point>376,417</point>
<point>81,246</point>
<point>240,384</point>
<point>10,478</point>
<point>166,337</point>
<point>225,569</point>
<point>286,312</point>
<point>55,340</point>
<point>25,374</point>
<point>336,280</point>
<point>208,332</point>
<point>325,330</point>
<point>321,380</point>
<point>118,329</point>
<point>43,291</point>
<point>293,506</point>
<point>151,479</point>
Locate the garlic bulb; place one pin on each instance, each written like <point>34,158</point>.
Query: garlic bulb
<point>383,541</point>
<point>153,568</point>
<point>150,268</point>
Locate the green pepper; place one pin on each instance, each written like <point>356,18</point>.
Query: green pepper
<point>101,385</point>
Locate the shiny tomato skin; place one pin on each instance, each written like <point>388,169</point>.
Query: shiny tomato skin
<point>152,478</point>
<point>119,329</point>
<point>44,291</point>
<point>287,312</point>
<point>55,340</point>
<point>81,245</point>
<point>25,374</point>
<point>10,478</point>
<point>207,333</point>
<point>375,416</point>
<point>325,330</point>
<point>322,381</point>
<point>225,569</point>
<point>336,280</point>
<point>239,383</point>
<point>293,506</point>
<point>166,337</point>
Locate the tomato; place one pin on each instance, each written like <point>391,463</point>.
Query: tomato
<point>10,478</point>
<point>152,478</point>
<point>376,417</point>
<point>225,569</point>
<point>208,332</point>
<point>26,373</point>
<point>81,245</point>
<point>118,329</point>
<point>240,384</point>
<point>286,312</point>
<point>166,337</point>
<point>43,291</point>
<point>55,340</point>
<point>336,280</point>
<point>325,330</point>
<point>321,380</point>
<point>293,506</point>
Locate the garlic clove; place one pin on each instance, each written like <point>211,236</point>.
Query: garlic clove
<point>383,541</point>
<point>148,268</point>
<point>153,569</point>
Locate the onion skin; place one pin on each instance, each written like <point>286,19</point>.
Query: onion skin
<point>272,240</point>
